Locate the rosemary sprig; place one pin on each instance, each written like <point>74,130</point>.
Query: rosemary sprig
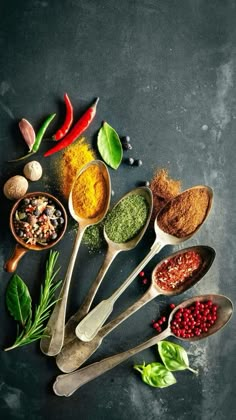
<point>34,327</point>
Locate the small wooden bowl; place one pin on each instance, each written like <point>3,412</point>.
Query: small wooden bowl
<point>21,247</point>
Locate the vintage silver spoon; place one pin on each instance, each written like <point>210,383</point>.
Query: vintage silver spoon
<point>66,385</point>
<point>87,329</point>
<point>112,251</point>
<point>77,352</point>
<point>52,343</point>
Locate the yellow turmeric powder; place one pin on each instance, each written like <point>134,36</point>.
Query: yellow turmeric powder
<point>89,194</point>
<point>71,161</point>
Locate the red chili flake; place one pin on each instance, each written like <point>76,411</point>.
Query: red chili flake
<point>176,270</point>
<point>142,274</point>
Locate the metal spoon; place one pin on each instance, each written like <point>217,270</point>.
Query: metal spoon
<point>90,325</point>
<point>66,385</point>
<point>52,343</point>
<point>112,251</point>
<point>77,352</point>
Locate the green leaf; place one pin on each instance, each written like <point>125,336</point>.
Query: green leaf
<point>18,299</point>
<point>156,375</point>
<point>34,326</point>
<point>109,146</point>
<point>173,356</point>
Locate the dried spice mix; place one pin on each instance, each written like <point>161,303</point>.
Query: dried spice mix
<point>177,270</point>
<point>38,220</point>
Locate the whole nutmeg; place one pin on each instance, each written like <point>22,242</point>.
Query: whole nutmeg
<point>15,187</point>
<point>33,170</point>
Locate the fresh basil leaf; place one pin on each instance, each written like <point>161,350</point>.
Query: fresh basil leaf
<point>173,356</point>
<point>18,300</point>
<point>109,146</point>
<point>156,375</point>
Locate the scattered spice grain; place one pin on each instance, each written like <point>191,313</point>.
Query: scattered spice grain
<point>70,162</point>
<point>163,189</point>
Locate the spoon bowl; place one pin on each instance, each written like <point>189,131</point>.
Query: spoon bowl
<point>165,237</point>
<point>207,255</point>
<point>85,222</point>
<point>52,343</point>
<point>125,246</point>
<point>224,313</point>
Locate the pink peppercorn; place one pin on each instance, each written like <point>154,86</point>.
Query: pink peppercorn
<point>196,319</point>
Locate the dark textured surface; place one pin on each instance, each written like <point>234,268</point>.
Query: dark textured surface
<point>165,73</point>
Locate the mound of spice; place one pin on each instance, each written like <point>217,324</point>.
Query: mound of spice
<point>177,270</point>
<point>70,162</point>
<point>163,189</point>
<point>89,194</point>
<point>185,213</point>
<point>194,320</point>
<point>38,220</point>
<point>127,218</point>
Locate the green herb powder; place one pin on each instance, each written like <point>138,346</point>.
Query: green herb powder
<point>126,219</point>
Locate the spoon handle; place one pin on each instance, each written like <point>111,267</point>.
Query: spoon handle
<point>91,324</point>
<point>76,352</point>
<point>84,308</point>
<point>52,343</point>
<point>66,385</point>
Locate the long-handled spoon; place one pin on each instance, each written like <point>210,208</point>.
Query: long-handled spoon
<point>77,352</point>
<point>90,325</point>
<point>112,251</point>
<point>52,343</point>
<point>66,385</point>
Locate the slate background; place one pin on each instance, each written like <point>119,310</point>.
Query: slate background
<point>163,70</point>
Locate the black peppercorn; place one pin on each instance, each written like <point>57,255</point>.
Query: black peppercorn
<point>131,161</point>
<point>138,162</point>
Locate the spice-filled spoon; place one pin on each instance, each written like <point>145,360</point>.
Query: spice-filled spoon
<point>138,202</point>
<point>99,189</point>
<point>177,221</point>
<point>197,260</point>
<point>67,384</point>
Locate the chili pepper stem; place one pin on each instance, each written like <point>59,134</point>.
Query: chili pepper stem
<point>23,157</point>
<point>96,102</point>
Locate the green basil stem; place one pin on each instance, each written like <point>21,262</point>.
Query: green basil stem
<point>192,370</point>
<point>38,139</point>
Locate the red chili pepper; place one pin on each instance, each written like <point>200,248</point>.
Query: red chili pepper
<point>61,132</point>
<point>76,131</point>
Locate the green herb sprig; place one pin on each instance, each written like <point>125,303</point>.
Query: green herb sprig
<point>19,304</point>
<point>174,358</point>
